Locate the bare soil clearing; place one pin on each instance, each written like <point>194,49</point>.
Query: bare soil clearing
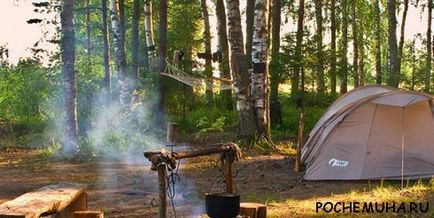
<point>129,188</point>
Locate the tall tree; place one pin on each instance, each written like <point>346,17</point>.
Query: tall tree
<point>333,47</point>
<point>149,34</point>
<point>207,42</point>
<point>401,38</point>
<point>70,141</point>
<point>361,42</point>
<point>275,110</point>
<point>393,78</point>
<point>250,16</point>
<point>88,33</point>
<point>106,46</point>
<point>343,71</point>
<point>428,49</point>
<point>298,65</point>
<point>246,129</point>
<point>223,47</point>
<point>122,19</point>
<point>260,75</point>
<point>120,54</point>
<point>319,46</point>
<point>135,42</point>
<point>355,44</point>
<point>378,42</point>
<point>162,48</point>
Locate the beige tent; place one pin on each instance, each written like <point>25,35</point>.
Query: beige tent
<point>373,132</point>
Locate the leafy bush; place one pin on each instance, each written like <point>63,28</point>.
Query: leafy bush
<point>206,119</point>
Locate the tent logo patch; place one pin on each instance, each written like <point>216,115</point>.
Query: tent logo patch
<point>338,163</point>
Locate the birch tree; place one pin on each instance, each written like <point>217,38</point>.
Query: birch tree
<point>260,76</point>
<point>70,140</point>
<point>246,128</point>
<point>149,34</point>
<point>250,16</point>
<point>120,54</point>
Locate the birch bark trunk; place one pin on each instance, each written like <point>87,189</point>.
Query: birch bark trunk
<point>260,76</point>
<point>120,54</point>
<point>246,129</point>
<point>149,34</point>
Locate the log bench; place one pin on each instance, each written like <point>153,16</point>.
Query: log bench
<point>57,200</point>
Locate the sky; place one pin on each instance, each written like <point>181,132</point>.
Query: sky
<point>15,32</point>
<point>20,36</point>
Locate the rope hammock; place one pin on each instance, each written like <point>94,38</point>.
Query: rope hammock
<point>213,83</point>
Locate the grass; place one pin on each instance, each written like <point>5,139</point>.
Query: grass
<point>420,191</point>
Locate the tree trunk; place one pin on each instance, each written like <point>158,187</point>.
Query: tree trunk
<point>106,45</point>
<point>88,40</point>
<point>120,54</point>
<point>361,42</point>
<point>343,74</point>
<point>319,47</point>
<point>250,16</point>
<point>149,34</point>
<point>378,42</point>
<point>122,19</point>
<point>223,47</point>
<point>246,122</point>
<point>260,76</point>
<point>401,38</point>
<point>355,45</point>
<point>207,42</point>
<point>393,79</point>
<point>135,43</point>
<point>428,49</point>
<point>275,109</point>
<point>70,140</point>
<point>333,47</point>
<point>295,80</point>
<point>162,47</point>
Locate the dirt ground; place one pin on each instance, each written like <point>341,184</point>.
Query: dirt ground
<point>128,188</point>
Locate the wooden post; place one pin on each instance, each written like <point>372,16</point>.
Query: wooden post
<point>162,187</point>
<point>297,168</point>
<point>172,132</point>
<point>228,172</point>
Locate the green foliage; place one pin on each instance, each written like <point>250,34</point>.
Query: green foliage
<point>25,91</point>
<point>205,119</point>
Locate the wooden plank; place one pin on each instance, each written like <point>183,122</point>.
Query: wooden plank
<point>46,200</point>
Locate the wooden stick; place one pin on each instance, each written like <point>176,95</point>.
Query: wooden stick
<point>297,168</point>
<point>162,187</point>
<point>228,172</point>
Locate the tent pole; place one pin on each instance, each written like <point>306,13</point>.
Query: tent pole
<point>402,148</point>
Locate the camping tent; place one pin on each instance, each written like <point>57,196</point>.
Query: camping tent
<point>373,132</point>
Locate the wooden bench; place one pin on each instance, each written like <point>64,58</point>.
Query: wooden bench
<point>58,200</point>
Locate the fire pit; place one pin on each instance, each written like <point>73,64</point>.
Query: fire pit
<point>222,205</point>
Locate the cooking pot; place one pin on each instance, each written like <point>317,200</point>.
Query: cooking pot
<point>222,205</point>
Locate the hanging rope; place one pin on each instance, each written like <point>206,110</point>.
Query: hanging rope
<point>214,83</point>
